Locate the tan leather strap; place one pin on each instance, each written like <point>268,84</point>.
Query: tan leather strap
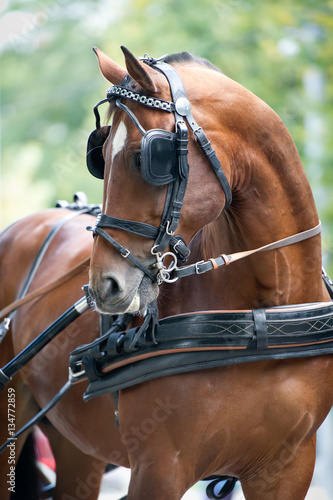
<point>224,260</point>
<point>45,288</point>
<point>290,240</point>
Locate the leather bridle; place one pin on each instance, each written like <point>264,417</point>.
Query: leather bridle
<point>163,235</point>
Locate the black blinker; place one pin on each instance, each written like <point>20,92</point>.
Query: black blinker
<point>159,157</point>
<point>94,158</point>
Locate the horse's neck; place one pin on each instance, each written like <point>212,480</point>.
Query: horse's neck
<point>271,200</point>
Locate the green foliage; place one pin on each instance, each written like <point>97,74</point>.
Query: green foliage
<point>281,50</point>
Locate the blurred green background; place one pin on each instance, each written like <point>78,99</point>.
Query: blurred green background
<point>280,50</point>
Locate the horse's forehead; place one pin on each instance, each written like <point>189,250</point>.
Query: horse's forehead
<point>119,139</point>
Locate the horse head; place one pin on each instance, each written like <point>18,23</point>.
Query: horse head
<point>184,137</point>
<point>153,170</point>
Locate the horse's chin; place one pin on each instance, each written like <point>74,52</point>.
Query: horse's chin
<point>136,301</point>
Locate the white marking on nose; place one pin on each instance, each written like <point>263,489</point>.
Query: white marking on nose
<point>119,139</point>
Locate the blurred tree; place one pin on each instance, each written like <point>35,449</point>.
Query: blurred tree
<point>280,50</point>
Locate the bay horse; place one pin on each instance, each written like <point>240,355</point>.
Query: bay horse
<point>83,436</point>
<point>255,421</point>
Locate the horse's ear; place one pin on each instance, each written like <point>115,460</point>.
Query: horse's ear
<point>112,71</point>
<point>140,72</point>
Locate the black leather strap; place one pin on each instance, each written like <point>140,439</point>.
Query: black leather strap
<point>260,328</point>
<point>178,91</point>
<point>177,244</point>
<point>4,326</point>
<point>124,252</point>
<point>175,205</point>
<point>206,146</point>
<point>139,228</point>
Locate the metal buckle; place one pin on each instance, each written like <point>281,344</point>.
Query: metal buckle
<point>197,270</point>
<point>76,376</point>
<point>168,232</point>
<point>6,323</point>
<point>196,132</point>
<point>125,253</point>
<point>163,276</point>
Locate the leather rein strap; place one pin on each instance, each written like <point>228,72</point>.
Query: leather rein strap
<point>225,260</point>
<point>25,297</point>
<point>84,264</point>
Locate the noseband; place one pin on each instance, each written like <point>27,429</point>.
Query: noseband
<point>163,162</point>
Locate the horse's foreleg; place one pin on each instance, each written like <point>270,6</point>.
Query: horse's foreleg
<point>285,477</point>
<point>154,479</point>
<point>78,475</point>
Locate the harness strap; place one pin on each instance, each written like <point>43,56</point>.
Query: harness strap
<point>178,193</point>
<point>131,115</point>
<point>45,246</point>
<point>138,228</point>
<point>260,328</point>
<point>4,326</point>
<point>178,94</point>
<point>46,288</point>
<point>123,251</point>
<point>26,355</point>
<point>203,267</point>
<point>176,242</point>
<point>206,147</point>
<point>39,415</point>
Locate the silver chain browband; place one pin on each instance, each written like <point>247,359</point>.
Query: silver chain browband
<point>119,91</point>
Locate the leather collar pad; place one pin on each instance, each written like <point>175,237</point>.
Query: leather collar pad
<point>197,341</point>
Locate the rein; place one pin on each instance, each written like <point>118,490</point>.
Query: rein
<point>77,208</point>
<point>212,264</point>
<point>43,290</point>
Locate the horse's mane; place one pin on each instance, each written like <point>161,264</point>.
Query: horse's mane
<point>187,57</point>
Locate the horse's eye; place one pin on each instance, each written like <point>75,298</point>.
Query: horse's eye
<point>138,161</point>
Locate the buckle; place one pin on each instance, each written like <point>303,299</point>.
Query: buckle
<point>125,253</point>
<point>197,270</point>
<point>76,376</point>
<point>197,132</point>
<point>168,231</point>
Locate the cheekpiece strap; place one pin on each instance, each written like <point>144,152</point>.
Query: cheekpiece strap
<point>183,109</point>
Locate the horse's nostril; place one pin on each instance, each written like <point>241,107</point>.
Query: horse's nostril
<point>114,287</point>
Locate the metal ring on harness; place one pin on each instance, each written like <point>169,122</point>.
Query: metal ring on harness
<point>163,274</point>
